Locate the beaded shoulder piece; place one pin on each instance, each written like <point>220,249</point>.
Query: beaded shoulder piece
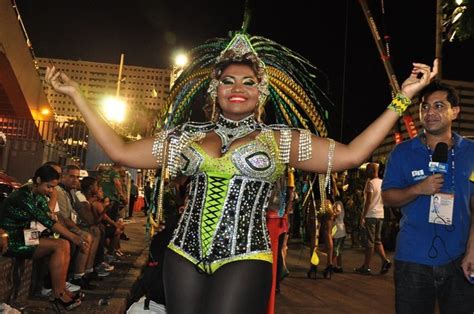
<point>286,135</point>
<point>178,138</point>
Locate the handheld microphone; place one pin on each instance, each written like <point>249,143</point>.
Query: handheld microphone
<point>439,160</point>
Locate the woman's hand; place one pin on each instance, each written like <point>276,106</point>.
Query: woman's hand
<point>420,77</point>
<point>61,83</point>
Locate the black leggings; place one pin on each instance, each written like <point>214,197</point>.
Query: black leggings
<point>237,287</point>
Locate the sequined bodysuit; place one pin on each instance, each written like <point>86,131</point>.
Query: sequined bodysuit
<point>224,220</point>
<point>17,211</point>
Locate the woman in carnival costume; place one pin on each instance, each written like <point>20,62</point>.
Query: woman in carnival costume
<point>219,259</point>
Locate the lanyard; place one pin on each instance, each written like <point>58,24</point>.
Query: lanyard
<point>452,166</point>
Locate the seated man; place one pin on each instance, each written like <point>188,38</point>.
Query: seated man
<point>91,220</point>
<point>69,206</point>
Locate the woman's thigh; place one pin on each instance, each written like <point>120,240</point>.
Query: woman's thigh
<point>185,287</point>
<point>239,287</point>
<point>47,247</point>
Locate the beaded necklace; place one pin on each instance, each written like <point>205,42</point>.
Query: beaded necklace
<point>230,130</point>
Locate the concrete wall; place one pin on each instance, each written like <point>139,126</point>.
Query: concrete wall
<point>14,45</point>
<point>6,284</point>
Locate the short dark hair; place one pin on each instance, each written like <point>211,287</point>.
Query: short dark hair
<point>52,163</point>
<point>45,173</point>
<point>86,184</point>
<point>71,167</point>
<point>437,85</point>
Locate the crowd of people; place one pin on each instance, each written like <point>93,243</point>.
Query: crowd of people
<point>75,224</point>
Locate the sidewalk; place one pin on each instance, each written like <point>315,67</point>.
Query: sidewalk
<point>115,288</point>
<point>348,292</point>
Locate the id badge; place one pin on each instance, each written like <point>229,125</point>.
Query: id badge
<point>74,217</point>
<point>441,209</point>
<point>31,236</point>
<point>56,208</point>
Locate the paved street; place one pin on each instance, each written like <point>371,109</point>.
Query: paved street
<point>344,293</point>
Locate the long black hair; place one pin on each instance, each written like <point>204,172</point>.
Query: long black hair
<point>45,173</point>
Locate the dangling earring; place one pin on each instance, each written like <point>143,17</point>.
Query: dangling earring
<point>259,113</point>
<point>213,118</point>
<point>260,107</point>
<point>212,90</point>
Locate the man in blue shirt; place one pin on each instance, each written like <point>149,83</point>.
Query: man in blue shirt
<point>434,259</point>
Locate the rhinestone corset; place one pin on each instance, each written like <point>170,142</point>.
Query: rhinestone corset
<point>224,219</point>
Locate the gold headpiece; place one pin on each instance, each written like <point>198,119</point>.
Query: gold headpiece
<point>240,49</point>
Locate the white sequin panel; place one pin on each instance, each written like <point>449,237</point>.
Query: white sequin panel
<point>190,161</point>
<point>253,160</point>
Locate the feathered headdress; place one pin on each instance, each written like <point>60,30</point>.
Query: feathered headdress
<point>294,98</point>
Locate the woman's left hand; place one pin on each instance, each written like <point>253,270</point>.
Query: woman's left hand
<point>415,83</point>
<point>60,82</point>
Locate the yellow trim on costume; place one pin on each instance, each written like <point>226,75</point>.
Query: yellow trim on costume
<point>260,256</point>
<point>291,177</point>
<point>471,178</point>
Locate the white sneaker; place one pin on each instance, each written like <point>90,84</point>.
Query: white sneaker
<point>46,292</point>
<point>102,273</point>
<point>71,287</point>
<point>107,267</point>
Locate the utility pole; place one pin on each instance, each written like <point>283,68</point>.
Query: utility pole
<point>117,93</point>
<point>439,37</point>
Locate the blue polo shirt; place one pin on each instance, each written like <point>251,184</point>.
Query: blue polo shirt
<point>418,240</point>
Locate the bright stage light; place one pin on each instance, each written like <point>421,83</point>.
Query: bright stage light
<point>181,60</point>
<point>114,109</point>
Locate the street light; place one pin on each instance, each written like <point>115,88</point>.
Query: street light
<point>45,111</point>
<point>113,109</point>
<point>181,60</point>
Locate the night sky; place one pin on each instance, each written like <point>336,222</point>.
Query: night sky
<point>334,35</point>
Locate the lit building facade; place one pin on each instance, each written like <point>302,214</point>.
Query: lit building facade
<point>144,90</point>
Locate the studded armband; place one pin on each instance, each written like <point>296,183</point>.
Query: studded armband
<point>304,145</point>
<point>285,146</point>
<point>158,146</point>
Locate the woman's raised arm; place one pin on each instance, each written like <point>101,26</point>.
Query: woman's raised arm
<point>360,148</point>
<point>137,154</point>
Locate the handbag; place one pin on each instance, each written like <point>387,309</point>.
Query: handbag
<point>314,258</point>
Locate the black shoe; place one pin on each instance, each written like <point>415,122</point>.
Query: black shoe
<point>284,273</point>
<point>337,270</point>
<point>68,306</point>
<point>91,276</point>
<point>312,269</point>
<point>328,272</point>
<point>363,270</point>
<point>385,266</point>
<point>84,283</point>
<point>123,236</point>
<point>79,296</point>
